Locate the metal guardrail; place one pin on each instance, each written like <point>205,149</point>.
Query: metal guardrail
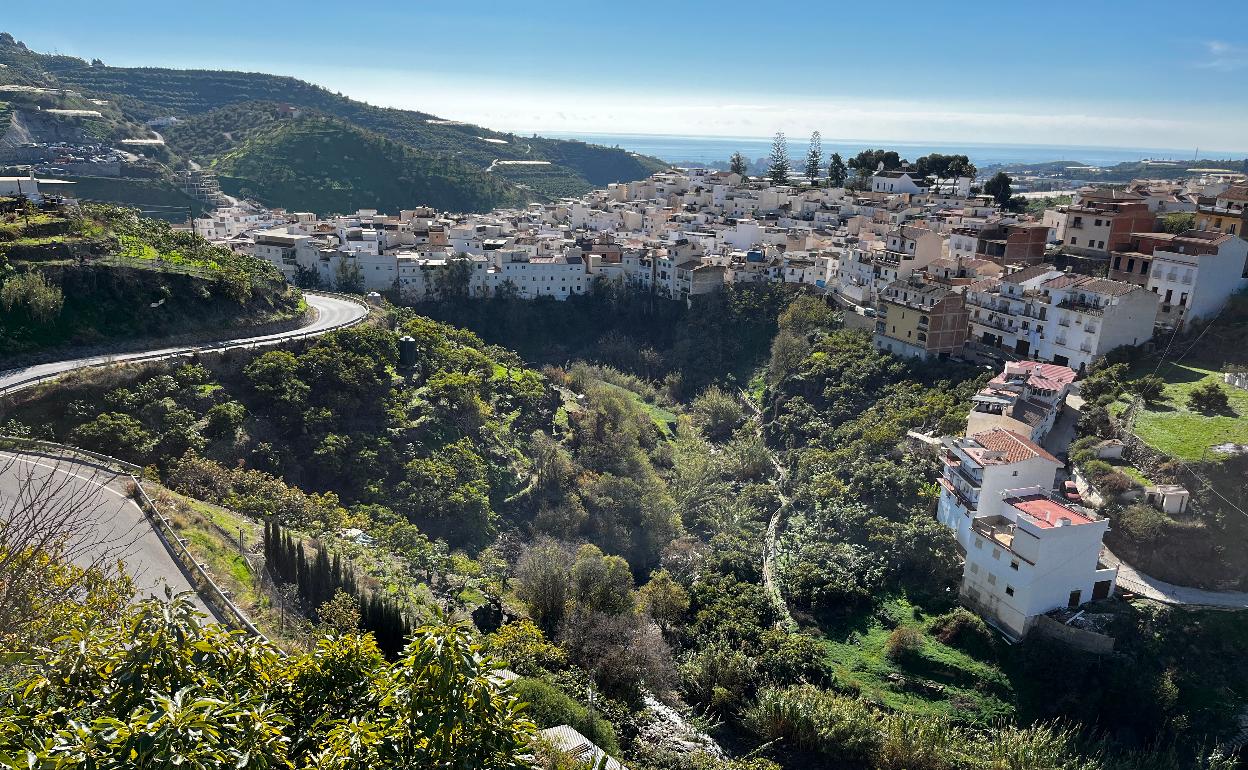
<point>164,529</point>
<point>261,340</point>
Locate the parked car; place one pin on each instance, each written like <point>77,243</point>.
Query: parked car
<point>1071,492</point>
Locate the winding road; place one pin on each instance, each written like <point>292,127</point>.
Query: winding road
<point>332,312</point>
<point>111,527</point>
<point>109,524</point>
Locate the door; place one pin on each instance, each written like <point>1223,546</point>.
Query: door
<point>1100,590</point>
<point>1074,602</point>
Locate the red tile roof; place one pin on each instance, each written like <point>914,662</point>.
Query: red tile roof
<point>1013,447</point>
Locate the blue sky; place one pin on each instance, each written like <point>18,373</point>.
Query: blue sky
<point>1142,73</point>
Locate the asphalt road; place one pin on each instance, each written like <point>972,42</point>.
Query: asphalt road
<point>331,313</point>
<point>116,526</point>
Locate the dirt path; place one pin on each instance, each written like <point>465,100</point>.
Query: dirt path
<point>773,526</point>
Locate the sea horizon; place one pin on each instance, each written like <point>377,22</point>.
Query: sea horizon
<point>677,148</point>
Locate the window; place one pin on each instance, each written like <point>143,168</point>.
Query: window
<point>1074,241</point>
<point>974,568</point>
<point>1100,244</point>
<point>979,543</point>
<point>1169,295</point>
<point>1009,590</point>
<point>1014,565</point>
<point>992,580</point>
<point>996,553</point>
<point>1015,473</point>
<point>1117,263</point>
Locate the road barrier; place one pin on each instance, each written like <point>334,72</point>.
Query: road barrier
<point>214,597</point>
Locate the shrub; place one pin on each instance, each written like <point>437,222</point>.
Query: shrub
<point>904,642</point>
<point>31,290</point>
<point>1152,389</point>
<point>1208,398</point>
<point>717,413</point>
<point>1142,523</point>
<point>549,707</point>
<point>1116,483</point>
<point>965,630</point>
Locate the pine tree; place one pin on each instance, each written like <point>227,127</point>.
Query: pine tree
<point>737,164</point>
<point>778,167</point>
<point>837,171</point>
<point>814,157</point>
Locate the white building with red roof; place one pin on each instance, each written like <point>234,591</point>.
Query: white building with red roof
<point>1026,398</point>
<point>1037,554</point>
<point>980,467</point>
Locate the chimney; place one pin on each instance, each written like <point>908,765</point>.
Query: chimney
<point>1064,521</point>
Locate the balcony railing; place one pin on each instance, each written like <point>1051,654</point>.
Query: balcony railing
<point>1078,306</point>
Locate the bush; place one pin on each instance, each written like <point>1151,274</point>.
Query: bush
<point>904,642</point>
<point>1152,389</point>
<point>717,413</point>
<point>1208,398</point>
<point>1115,483</point>
<point>43,301</point>
<point>550,707</point>
<point>965,630</point>
<point>1142,523</point>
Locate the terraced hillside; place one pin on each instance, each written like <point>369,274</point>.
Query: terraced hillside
<point>220,109</point>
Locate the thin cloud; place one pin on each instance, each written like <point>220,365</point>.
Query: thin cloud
<point>1223,56</point>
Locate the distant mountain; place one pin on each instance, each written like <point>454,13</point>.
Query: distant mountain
<point>221,111</point>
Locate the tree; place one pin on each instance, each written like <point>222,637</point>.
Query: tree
<point>341,614</point>
<point>166,690</point>
<point>814,157</point>
<point>1178,222</point>
<point>542,583</point>
<point>836,171</point>
<point>1151,388</point>
<point>778,167</point>
<point>666,600</point>
<point>601,583</point>
<point>1000,187</point>
<point>348,277</point>
<point>1209,398</point>
<point>737,164</point>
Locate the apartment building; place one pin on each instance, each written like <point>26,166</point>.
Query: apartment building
<point>1007,315</point>
<point>1088,317</point>
<point>1037,554</point>
<point>1102,221</point>
<point>1004,244</point>
<point>1062,318</point>
<point>1026,398</point>
<point>919,319</point>
<point>1226,213</point>
<point>1194,272</point>
<point>977,469</point>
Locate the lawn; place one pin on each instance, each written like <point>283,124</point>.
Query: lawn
<point>938,680</point>
<point>1172,428</point>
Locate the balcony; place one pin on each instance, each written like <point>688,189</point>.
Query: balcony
<point>998,529</point>
<point>1090,308</point>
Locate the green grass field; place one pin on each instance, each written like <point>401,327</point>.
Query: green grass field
<point>663,418</point>
<point>938,680</point>
<point>1172,428</point>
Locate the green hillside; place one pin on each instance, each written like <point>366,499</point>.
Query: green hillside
<point>221,109</point>
<point>325,165</point>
